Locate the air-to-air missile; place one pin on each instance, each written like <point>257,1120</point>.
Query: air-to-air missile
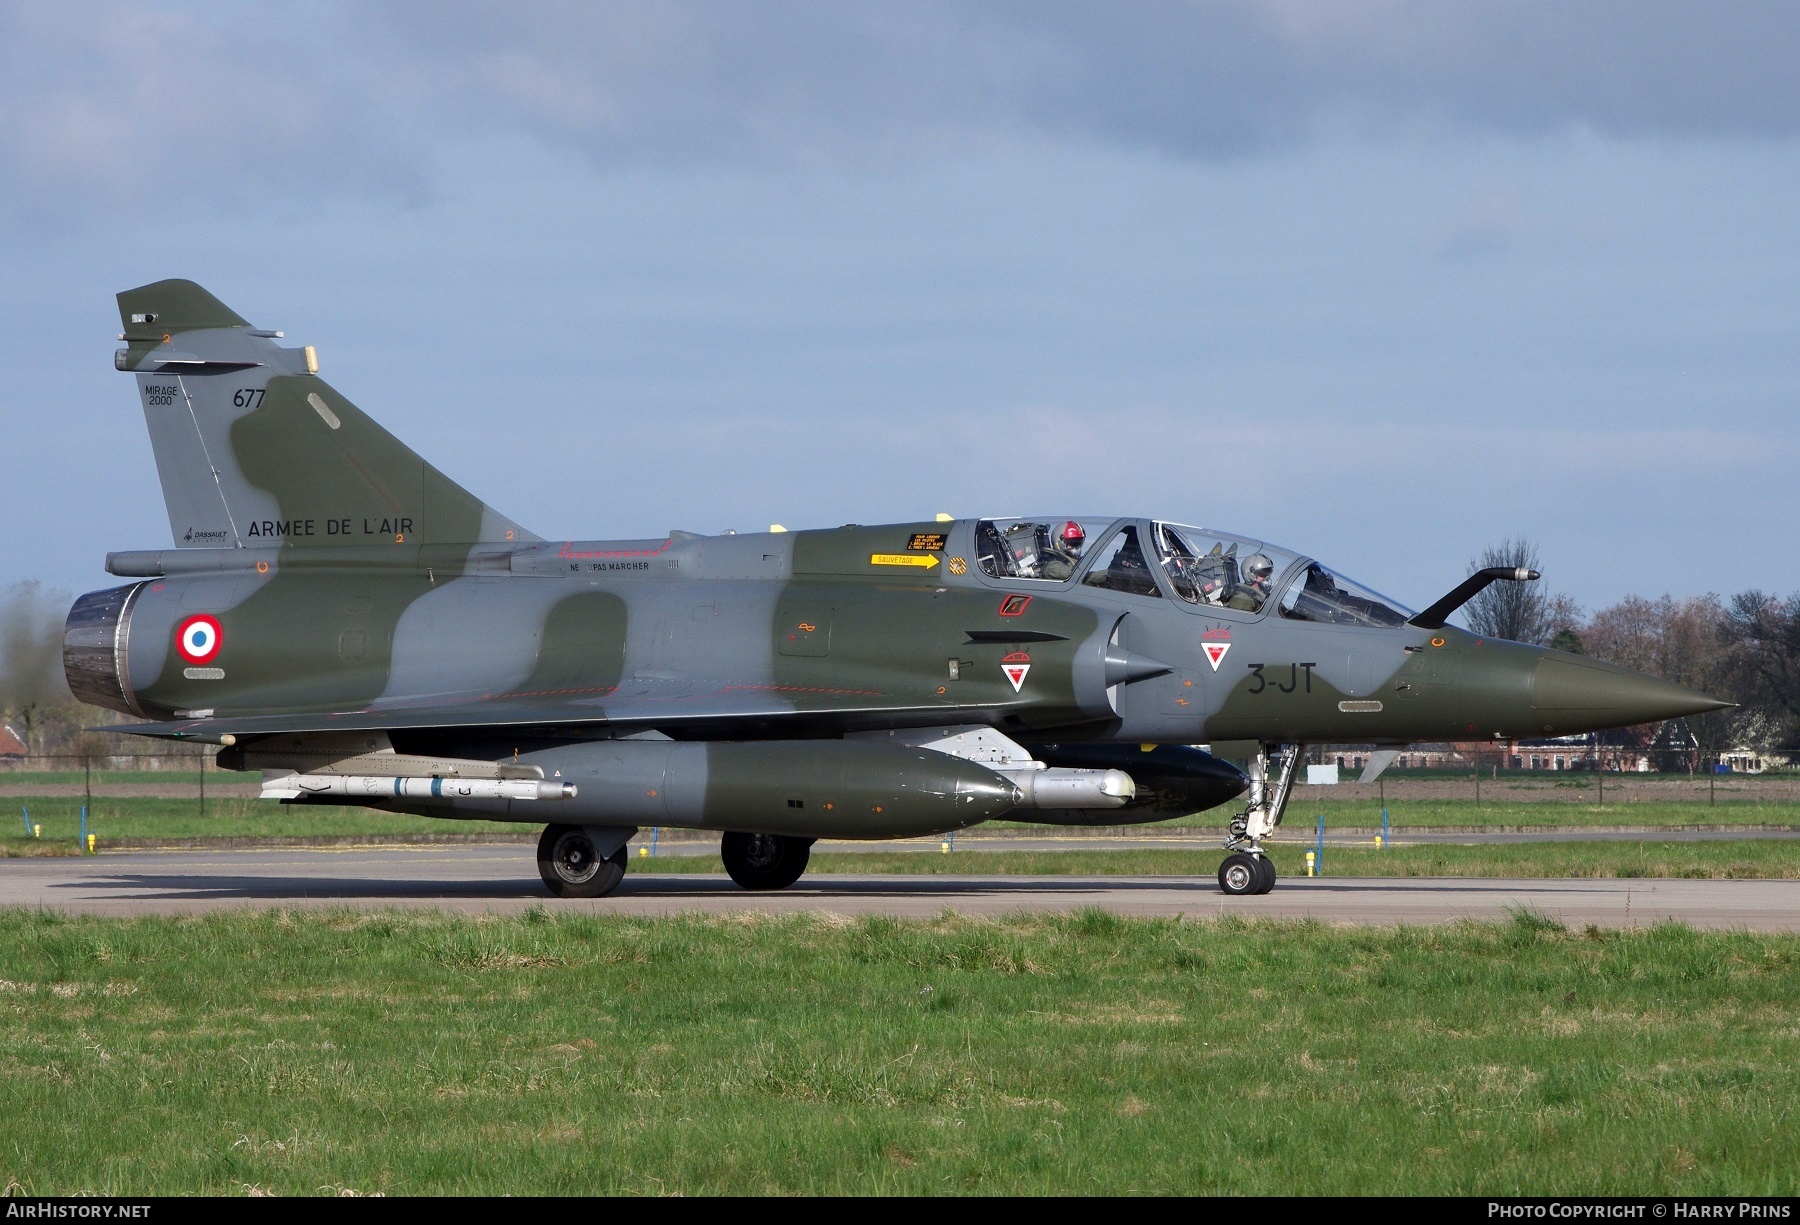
<point>340,616</point>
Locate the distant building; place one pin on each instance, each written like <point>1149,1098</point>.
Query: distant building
<point>11,743</point>
<point>1550,753</point>
<point>1415,757</point>
<point>1744,761</point>
<point>1571,753</point>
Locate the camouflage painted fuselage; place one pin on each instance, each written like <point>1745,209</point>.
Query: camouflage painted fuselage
<point>798,633</point>
<point>329,585</point>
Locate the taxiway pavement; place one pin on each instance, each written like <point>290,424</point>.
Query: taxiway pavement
<point>503,879</point>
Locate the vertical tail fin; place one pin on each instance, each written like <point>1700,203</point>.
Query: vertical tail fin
<point>254,449</point>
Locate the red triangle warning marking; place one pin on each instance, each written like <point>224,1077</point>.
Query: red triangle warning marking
<point>1215,652</point>
<point>1016,674</point>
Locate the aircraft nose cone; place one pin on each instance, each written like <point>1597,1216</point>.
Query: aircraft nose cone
<point>1572,693</point>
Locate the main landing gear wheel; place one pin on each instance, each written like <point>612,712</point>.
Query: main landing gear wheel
<point>764,861</point>
<point>1242,874</point>
<point>571,865</point>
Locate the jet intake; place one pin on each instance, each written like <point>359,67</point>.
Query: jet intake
<point>376,787</point>
<point>1122,667</point>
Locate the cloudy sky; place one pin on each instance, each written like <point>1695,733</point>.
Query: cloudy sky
<point>1381,281</point>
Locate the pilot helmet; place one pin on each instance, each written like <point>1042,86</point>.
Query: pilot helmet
<point>1259,568</point>
<point>1072,535</point>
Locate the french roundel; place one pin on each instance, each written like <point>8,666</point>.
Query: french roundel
<point>198,639</point>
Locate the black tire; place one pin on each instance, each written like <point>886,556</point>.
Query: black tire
<point>571,867</point>
<point>1239,874</point>
<point>1267,868</point>
<point>764,861</point>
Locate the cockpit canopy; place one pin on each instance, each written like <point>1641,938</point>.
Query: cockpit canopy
<point>1197,566</point>
<point>1213,569</point>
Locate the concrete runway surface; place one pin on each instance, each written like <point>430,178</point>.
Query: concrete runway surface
<point>503,879</point>
<point>1210,840</point>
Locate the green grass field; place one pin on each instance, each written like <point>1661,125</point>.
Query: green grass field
<point>315,1052</point>
<point>144,817</point>
<point>1529,814</point>
<point>187,778</point>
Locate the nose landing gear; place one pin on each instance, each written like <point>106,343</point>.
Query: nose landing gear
<point>1248,869</point>
<point>1243,873</point>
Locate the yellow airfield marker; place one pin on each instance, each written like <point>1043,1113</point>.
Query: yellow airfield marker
<point>1309,863</point>
<point>922,561</point>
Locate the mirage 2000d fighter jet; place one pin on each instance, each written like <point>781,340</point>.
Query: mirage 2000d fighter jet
<point>342,617</point>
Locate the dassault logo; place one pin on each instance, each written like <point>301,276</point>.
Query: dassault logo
<point>193,535</point>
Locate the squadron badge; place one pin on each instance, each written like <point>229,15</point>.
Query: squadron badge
<point>1215,642</point>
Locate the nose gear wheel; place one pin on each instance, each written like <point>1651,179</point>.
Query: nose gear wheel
<point>1243,874</point>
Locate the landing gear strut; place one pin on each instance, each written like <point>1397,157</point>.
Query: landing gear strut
<point>764,861</point>
<point>1248,869</point>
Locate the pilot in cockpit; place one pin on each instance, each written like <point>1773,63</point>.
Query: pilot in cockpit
<point>1064,553</point>
<point>1250,594</point>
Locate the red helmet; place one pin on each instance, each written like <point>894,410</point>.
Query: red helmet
<point>1072,533</point>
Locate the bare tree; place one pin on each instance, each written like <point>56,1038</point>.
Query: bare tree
<point>1562,622</point>
<point>1520,612</point>
<point>1765,632</point>
<point>1685,641</point>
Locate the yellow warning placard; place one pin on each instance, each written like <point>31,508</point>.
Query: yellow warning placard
<point>923,561</point>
